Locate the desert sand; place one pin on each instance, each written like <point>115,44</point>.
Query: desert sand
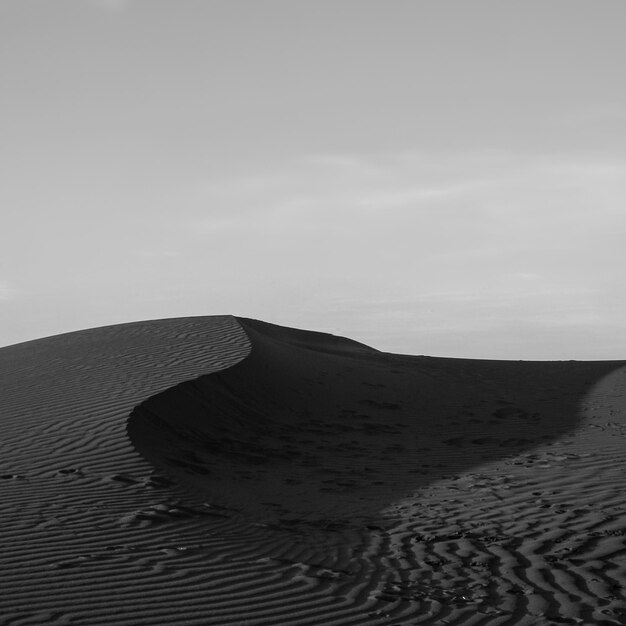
<point>221,470</point>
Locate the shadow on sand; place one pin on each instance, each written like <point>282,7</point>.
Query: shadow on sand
<point>320,427</point>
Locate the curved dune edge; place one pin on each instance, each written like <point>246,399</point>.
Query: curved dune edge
<point>317,425</point>
<point>466,528</point>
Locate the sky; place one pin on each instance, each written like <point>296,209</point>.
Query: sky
<point>438,177</point>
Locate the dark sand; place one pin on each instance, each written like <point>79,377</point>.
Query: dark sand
<point>218,470</point>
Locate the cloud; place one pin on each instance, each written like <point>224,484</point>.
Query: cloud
<point>488,196</point>
<point>389,219</point>
<point>337,184</point>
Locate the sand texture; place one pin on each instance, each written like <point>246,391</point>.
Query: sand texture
<point>221,470</point>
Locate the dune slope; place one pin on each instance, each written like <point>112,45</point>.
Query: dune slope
<point>222,470</point>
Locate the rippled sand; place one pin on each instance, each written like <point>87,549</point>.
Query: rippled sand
<point>218,470</point>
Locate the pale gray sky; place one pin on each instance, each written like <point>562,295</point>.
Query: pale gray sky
<point>443,177</point>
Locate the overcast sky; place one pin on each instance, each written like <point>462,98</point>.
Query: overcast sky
<point>443,177</point>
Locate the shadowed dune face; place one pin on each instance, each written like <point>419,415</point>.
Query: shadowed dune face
<point>320,426</point>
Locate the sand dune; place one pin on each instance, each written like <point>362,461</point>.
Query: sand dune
<point>219,470</point>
